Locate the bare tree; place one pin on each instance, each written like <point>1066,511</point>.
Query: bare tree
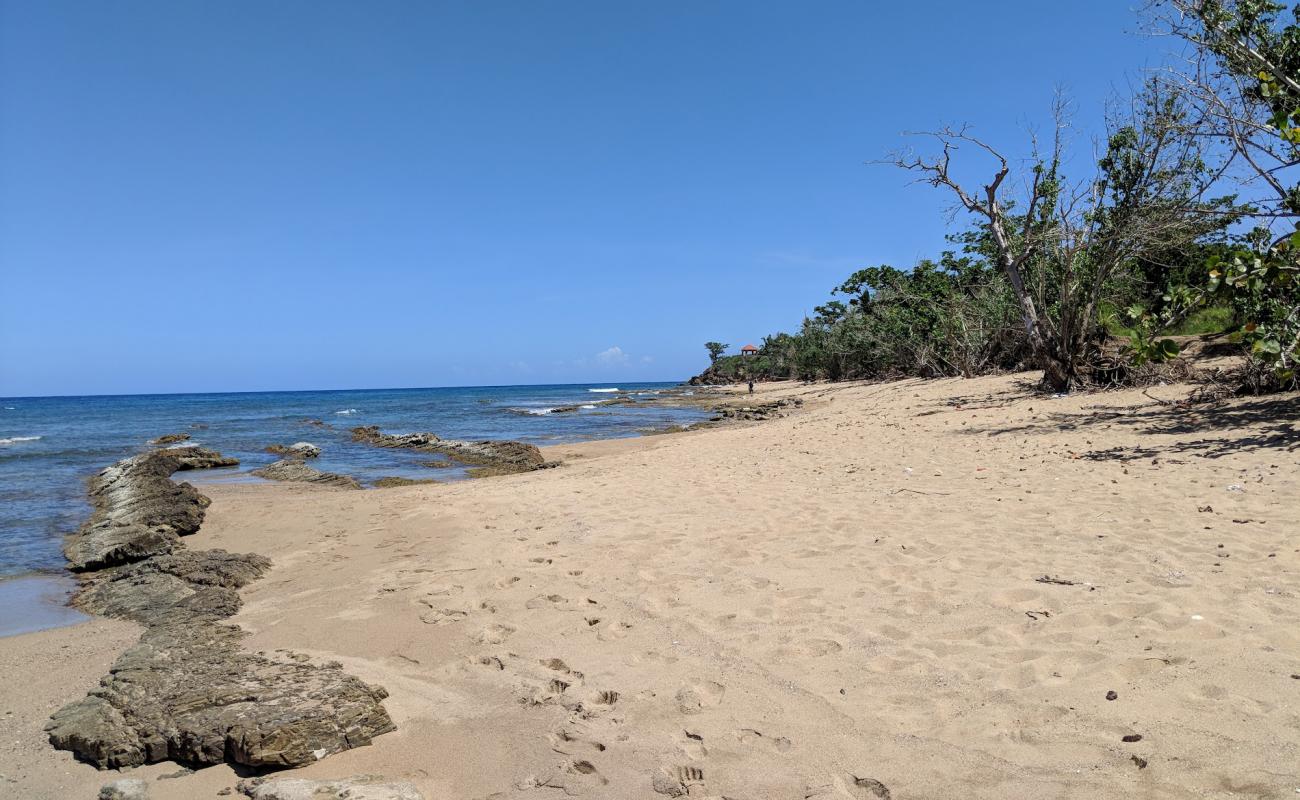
<point>1061,244</point>
<point>1219,76</point>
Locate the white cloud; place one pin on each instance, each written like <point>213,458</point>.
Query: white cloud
<point>614,356</point>
<point>647,359</point>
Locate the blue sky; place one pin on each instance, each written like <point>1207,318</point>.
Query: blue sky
<point>205,196</point>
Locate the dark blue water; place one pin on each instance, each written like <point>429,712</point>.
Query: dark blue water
<point>49,446</point>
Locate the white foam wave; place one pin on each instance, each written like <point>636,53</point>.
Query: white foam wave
<point>17,439</point>
<point>347,412</point>
<point>615,389</point>
<point>588,405</point>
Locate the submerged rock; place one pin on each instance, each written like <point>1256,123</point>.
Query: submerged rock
<point>295,450</point>
<point>188,691</point>
<point>397,480</point>
<point>365,787</point>
<point>139,511</point>
<point>494,457</point>
<point>171,438</point>
<point>295,470</point>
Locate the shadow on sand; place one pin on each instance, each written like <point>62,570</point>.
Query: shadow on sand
<point>1268,423</point>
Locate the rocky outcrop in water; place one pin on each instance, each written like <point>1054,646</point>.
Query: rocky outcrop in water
<point>295,470</point>
<point>171,438</point>
<point>188,691</point>
<point>295,450</point>
<point>492,457</point>
<point>139,511</point>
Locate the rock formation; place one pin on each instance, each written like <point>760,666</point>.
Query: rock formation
<point>171,438</point>
<point>293,469</point>
<point>139,511</point>
<point>295,450</point>
<point>492,458</point>
<point>187,691</point>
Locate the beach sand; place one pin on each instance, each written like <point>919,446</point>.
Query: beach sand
<point>824,605</point>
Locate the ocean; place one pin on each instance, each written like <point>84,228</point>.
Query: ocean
<point>49,446</point>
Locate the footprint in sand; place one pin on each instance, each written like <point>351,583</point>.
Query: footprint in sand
<point>751,736</point>
<point>820,647</point>
<point>495,633</point>
<point>677,781</point>
<point>849,786</point>
<point>607,698</point>
<point>694,747</point>
<point>545,600</point>
<point>693,699</point>
<point>443,616</point>
<point>575,740</point>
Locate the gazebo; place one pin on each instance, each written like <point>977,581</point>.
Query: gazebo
<point>749,350</point>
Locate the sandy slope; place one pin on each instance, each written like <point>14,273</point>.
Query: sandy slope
<point>780,609</point>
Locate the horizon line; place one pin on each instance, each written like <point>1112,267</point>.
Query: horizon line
<point>288,391</point>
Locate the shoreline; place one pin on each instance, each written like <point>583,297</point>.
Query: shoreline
<point>804,596</point>
<point>32,590</point>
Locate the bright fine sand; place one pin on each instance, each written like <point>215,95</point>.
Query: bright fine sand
<point>835,604</point>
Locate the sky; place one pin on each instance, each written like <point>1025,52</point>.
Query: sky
<point>245,196</point>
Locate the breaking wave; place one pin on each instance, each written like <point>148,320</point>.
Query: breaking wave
<point>17,439</point>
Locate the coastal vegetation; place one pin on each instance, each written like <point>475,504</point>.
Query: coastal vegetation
<point>1185,225</point>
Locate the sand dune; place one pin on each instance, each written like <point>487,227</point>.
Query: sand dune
<point>923,589</point>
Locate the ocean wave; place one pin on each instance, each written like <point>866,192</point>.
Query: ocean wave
<point>17,439</point>
<point>347,412</point>
<point>587,406</point>
<point>614,389</point>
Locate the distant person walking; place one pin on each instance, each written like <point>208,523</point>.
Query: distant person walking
<point>751,386</point>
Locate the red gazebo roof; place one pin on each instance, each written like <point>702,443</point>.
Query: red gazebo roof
<point>749,347</point>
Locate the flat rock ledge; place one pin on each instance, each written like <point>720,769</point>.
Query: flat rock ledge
<point>297,471</point>
<point>491,457</point>
<point>187,691</point>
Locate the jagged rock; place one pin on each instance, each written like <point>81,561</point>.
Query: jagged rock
<point>296,450</point>
<point>438,464</point>
<point>171,438</point>
<point>370,434</point>
<point>494,458</point>
<point>366,787</point>
<point>295,470</point>
<point>202,582</point>
<point>125,789</point>
<point>757,411</point>
<point>187,691</point>
<point>390,482</point>
<point>139,511</point>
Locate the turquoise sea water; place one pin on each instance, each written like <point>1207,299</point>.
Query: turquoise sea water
<point>50,445</point>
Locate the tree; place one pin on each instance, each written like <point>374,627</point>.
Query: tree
<point>716,349</point>
<point>1061,255</point>
<point>1242,78</point>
